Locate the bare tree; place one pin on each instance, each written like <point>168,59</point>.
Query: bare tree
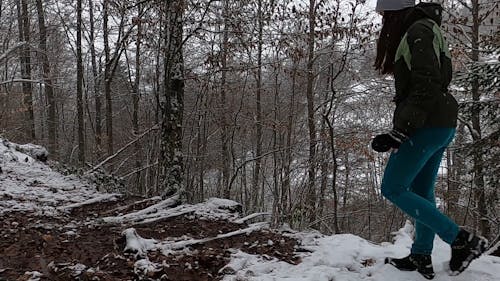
<point>311,120</point>
<point>79,84</point>
<point>107,79</point>
<point>49,87</point>
<point>96,80</point>
<point>23,20</point>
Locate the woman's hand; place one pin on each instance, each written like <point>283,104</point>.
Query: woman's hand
<point>384,142</point>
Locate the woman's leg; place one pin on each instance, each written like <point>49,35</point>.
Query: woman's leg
<point>402,169</point>
<point>423,185</point>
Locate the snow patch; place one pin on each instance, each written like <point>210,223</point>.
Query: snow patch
<point>100,198</point>
<point>29,185</point>
<point>136,244</point>
<point>347,257</point>
<point>145,267</point>
<point>213,208</point>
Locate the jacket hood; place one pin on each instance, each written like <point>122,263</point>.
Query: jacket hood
<point>432,11</point>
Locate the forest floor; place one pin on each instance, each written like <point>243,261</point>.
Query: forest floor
<point>69,247</point>
<point>59,227</point>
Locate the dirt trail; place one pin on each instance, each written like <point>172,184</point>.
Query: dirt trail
<point>70,247</point>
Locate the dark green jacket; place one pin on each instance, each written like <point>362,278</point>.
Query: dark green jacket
<point>422,72</point>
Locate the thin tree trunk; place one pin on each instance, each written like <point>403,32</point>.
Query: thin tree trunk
<point>286,184</point>
<point>258,113</point>
<point>79,85</point>
<point>25,59</point>
<point>97,81</point>
<point>478,168</point>
<point>329,123</point>
<point>311,122</point>
<point>135,99</point>
<point>455,171</point>
<point>277,146</point>
<point>107,80</point>
<point>201,148</point>
<point>226,154</point>
<point>49,88</point>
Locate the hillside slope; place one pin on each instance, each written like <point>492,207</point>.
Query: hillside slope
<point>59,227</point>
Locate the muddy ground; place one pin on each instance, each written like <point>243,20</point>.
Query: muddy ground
<point>66,247</point>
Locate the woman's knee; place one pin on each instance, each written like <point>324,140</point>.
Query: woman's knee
<point>391,191</point>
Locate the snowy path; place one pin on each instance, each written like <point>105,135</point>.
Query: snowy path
<point>350,258</point>
<point>31,186</point>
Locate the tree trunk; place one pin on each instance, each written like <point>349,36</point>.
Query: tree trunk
<point>79,85</point>
<point>49,88</point>
<point>171,153</point>
<point>25,59</point>
<point>333,149</point>
<point>258,125</point>
<point>456,167</point>
<point>286,184</point>
<point>479,188</point>
<point>135,100</point>
<point>107,80</point>
<point>97,82</point>
<point>311,185</point>
<point>226,154</point>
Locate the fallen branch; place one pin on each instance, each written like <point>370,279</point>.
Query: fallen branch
<point>168,246</point>
<point>149,212</point>
<point>101,198</point>
<point>251,216</point>
<point>121,208</point>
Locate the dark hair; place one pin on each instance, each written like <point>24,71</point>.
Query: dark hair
<point>393,29</point>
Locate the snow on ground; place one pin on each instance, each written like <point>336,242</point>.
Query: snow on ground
<point>27,184</point>
<point>213,208</point>
<point>346,257</point>
<point>30,185</point>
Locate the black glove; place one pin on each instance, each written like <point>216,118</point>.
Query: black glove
<point>384,142</point>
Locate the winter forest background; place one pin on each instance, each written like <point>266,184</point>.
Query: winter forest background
<point>271,103</point>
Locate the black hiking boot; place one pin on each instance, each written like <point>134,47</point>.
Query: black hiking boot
<point>418,262</point>
<point>465,249</point>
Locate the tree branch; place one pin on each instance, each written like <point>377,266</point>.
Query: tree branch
<point>7,53</point>
<point>111,157</point>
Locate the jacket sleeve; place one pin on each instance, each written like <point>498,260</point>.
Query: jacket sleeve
<point>424,75</point>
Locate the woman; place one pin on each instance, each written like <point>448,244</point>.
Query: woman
<point>412,48</point>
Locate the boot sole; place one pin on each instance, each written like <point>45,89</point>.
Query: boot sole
<point>390,261</point>
<point>425,275</point>
<point>476,253</point>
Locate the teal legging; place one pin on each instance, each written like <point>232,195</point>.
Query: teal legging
<point>408,183</point>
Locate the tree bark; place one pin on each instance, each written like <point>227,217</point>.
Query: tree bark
<point>479,185</point>
<point>258,113</point>
<point>107,80</point>
<point>456,167</point>
<point>285,199</point>
<point>135,98</point>
<point>49,88</point>
<point>97,82</point>
<point>25,59</point>
<point>311,122</point>
<point>225,137</point>
<point>79,85</point>
<point>171,153</point>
